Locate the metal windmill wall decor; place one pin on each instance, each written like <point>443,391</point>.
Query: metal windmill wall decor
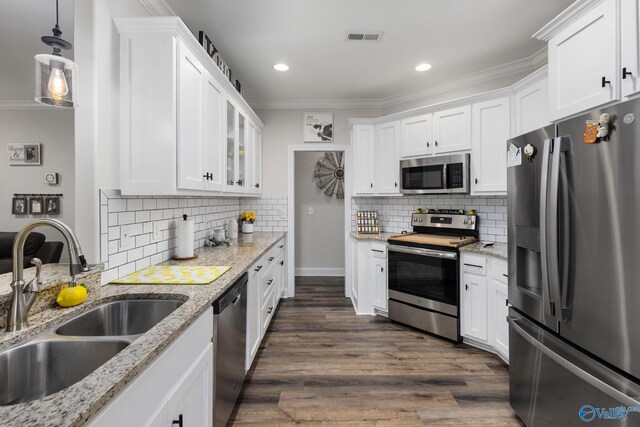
<point>329,174</point>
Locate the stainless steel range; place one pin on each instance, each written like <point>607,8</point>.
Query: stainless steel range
<point>424,272</point>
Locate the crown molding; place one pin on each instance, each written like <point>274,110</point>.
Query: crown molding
<point>157,7</point>
<point>24,105</point>
<point>566,18</point>
<point>530,63</point>
<point>531,79</point>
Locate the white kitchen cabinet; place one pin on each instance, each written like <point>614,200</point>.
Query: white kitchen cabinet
<point>387,172</point>
<point>364,158</point>
<point>452,130</point>
<point>179,380</point>
<point>254,305</point>
<point>630,47</point>
<point>483,303</point>
<point>173,114</point>
<point>531,107</point>
<point>491,126</point>
<point>378,275</point>
<point>500,295</point>
<point>257,160</point>
<point>416,137</point>
<point>237,142</point>
<point>584,68</point>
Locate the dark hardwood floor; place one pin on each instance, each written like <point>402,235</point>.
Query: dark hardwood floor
<point>320,364</point>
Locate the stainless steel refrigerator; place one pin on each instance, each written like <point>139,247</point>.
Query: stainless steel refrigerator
<point>574,273</point>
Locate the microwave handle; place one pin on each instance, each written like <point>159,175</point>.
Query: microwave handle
<point>444,177</point>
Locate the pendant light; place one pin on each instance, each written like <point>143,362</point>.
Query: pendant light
<point>56,77</point>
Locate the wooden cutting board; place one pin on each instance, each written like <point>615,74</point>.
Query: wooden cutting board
<point>434,239</point>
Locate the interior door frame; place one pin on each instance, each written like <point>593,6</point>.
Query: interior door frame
<point>291,209</point>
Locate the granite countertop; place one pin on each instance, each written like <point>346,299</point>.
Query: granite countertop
<point>498,250</point>
<point>382,237</point>
<point>75,405</point>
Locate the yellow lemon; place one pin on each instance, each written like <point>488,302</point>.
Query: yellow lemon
<point>70,296</point>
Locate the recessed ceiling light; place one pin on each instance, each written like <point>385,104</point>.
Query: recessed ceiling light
<point>423,67</point>
<point>281,67</point>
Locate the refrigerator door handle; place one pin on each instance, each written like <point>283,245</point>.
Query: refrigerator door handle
<point>566,231</point>
<point>576,370</point>
<point>547,299</point>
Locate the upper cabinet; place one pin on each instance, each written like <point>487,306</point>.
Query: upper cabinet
<point>417,136</point>
<point>584,64</point>
<point>630,12</point>
<point>364,140</point>
<point>452,130</point>
<point>376,162</point>
<point>184,127</point>
<point>490,129</point>
<point>531,103</point>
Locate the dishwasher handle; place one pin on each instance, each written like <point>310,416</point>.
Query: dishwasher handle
<point>232,295</point>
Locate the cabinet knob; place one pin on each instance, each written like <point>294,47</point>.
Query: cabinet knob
<point>476,180</point>
<point>427,143</point>
<point>466,287</point>
<point>605,82</point>
<point>436,143</point>
<point>626,73</point>
<point>257,185</point>
<point>396,184</point>
<point>372,185</point>
<point>179,421</point>
<point>381,269</point>
<point>281,262</point>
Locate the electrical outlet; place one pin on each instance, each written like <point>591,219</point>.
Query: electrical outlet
<point>156,235</point>
<point>311,210</point>
<point>127,241</point>
<point>283,215</point>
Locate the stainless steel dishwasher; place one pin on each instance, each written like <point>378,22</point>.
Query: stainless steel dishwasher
<point>230,330</point>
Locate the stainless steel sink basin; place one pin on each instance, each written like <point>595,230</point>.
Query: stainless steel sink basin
<point>126,317</point>
<point>41,368</point>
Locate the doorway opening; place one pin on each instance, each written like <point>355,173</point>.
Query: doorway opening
<point>319,206</point>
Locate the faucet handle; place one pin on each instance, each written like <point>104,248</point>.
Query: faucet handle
<point>38,263</point>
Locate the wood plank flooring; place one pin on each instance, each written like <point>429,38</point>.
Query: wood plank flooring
<point>320,364</point>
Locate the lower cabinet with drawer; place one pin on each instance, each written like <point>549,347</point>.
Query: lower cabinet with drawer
<point>483,303</point>
<point>267,283</point>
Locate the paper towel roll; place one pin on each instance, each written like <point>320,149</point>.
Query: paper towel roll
<point>185,238</point>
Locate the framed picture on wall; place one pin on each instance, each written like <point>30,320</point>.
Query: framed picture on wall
<point>19,206</point>
<point>318,127</point>
<point>36,206</point>
<point>24,154</point>
<point>52,205</point>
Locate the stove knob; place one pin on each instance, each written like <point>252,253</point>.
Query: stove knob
<point>465,222</point>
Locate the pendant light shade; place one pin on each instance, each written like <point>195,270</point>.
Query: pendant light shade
<point>56,77</point>
<point>56,81</point>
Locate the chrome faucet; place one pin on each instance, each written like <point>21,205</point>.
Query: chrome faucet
<point>24,294</point>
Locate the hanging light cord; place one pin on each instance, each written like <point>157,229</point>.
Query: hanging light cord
<point>56,30</point>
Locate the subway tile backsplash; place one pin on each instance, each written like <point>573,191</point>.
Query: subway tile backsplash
<point>271,212</point>
<point>395,212</point>
<point>139,213</point>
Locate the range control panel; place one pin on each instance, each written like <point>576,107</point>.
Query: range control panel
<point>459,221</point>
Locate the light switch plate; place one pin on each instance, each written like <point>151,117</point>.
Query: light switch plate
<point>127,241</point>
<point>156,234</point>
<point>311,210</point>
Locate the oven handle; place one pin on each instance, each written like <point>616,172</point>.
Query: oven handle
<point>423,252</point>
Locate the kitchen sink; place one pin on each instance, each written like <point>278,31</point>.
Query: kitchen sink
<point>126,317</point>
<point>40,368</point>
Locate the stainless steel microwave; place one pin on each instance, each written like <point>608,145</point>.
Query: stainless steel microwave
<point>435,175</point>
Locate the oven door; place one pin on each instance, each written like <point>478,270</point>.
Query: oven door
<point>422,277</point>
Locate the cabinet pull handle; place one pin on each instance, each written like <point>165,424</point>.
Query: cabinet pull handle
<point>178,421</point>
<point>466,287</point>
<point>605,82</point>
<point>257,185</point>
<point>281,262</point>
<point>626,73</point>
<point>436,143</point>
<point>239,182</point>
<point>271,258</point>
<point>476,180</point>
<point>258,268</point>
<point>269,283</point>
<point>372,185</point>
<point>506,302</point>
<point>396,184</point>
<point>208,176</point>
<point>281,246</point>
<point>270,310</point>
<point>505,275</point>
<point>381,269</point>
<point>427,143</point>
<point>473,265</point>
<point>377,250</point>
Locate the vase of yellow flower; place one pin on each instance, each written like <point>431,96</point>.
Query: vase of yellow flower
<point>248,218</point>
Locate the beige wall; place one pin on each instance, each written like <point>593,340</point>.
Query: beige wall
<point>53,128</point>
<point>283,128</point>
<point>320,236</point>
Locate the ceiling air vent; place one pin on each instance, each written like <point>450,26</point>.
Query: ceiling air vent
<point>364,37</point>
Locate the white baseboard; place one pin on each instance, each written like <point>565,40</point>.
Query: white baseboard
<point>319,272</point>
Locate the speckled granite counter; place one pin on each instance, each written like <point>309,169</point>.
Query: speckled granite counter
<point>75,405</point>
<point>382,237</point>
<point>498,250</point>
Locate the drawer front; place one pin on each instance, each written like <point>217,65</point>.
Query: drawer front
<point>474,264</point>
<point>268,282</point>
<point>499,270</point>
<point>266,314</point>
<point>379,250</point>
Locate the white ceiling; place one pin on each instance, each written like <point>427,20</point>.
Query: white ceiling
<point>22,23</point>
<point>458,37</point>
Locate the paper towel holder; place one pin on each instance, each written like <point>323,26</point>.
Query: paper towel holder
<point>177,258</point>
